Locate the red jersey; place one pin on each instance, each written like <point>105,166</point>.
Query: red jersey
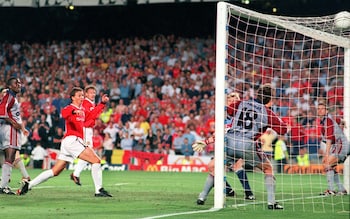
<point>92,112</point>
<point>74,122</point>
<point>10,108</point>
<point>97,141</point>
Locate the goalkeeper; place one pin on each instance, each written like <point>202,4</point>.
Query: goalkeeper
<point>251,118</point>
<point>237,167</point>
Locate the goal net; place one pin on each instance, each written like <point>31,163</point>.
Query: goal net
<point>306,60</point>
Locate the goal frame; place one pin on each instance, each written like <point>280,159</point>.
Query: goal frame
<point>221,90</point>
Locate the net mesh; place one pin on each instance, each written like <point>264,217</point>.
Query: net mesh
<point>303,59</point>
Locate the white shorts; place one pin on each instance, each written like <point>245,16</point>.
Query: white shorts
<point>88,133</point>
<point>10,137</point>
<point>71,148</point>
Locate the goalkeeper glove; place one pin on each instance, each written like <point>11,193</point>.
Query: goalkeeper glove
<point>199,146</point>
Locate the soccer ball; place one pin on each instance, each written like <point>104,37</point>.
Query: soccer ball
<point>342,20</point>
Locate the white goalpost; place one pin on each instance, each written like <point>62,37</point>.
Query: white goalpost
<point>305,59</point>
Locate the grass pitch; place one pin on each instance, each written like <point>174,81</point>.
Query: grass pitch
<point>162,195</point>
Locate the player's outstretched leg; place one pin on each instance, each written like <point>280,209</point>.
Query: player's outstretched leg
<point>42,177</point>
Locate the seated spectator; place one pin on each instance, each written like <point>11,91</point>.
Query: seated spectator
<point>139,145</point>
<point>186,148</point>
<point>147,148</point>
<point>178,141</point>
<point>127,142</point>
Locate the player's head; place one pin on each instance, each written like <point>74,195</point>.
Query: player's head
<point>90,87</point>
<point>90,92</point>
<point>77,95</point>
<point>14,84</point>
<point>232,97</point>
<point>322,108</point>
<point>265,93</point>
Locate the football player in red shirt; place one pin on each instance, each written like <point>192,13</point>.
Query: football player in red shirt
<point>334,148</point>
<point>72,147</point>
<point>92,112</point>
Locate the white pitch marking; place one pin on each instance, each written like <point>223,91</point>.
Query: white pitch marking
<point>216,209</point>
<point>122,184</point>
<point>182,213</point>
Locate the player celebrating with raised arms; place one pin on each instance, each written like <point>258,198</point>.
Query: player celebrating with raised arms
<point>251,119</point>
<point>72,147</point>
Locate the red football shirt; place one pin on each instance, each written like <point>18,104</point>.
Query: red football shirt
<point>74,122</point>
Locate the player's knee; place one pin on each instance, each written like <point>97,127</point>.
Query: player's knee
<point>211,169</point>
<point>8,162</point>
<point>96,160</point>
<point>267,169</point>
<point>238,165</point>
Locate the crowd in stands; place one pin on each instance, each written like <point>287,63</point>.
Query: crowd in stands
<point>161,90</point>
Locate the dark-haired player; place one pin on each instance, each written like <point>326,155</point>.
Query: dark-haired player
<point>72,146</point>
<point>11,129</point>
<point>251,118</point>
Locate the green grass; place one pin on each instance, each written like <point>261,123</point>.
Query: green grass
<point>147,194</point>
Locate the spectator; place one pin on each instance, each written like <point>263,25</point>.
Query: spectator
<point>152,140</point>
<point>155,125</point>
<point>303,157</point>
<point>138,132</point>
<point>127,142</point>
<point>97,143</point>
<point>108,147</point>
<point>57,138</point>
<point>38,156</point>
<point>167,138</point>
<point>139,145</point>
<point>106,115</point>
<point>186,148</point>
<point>190,137</point>
<point>178,141</point>
<point>144,124</point>
<point>125,92</point>
<point>280,153</point>
<point>113,130</point>
<point>115,93</point>
<point>148,147</point>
